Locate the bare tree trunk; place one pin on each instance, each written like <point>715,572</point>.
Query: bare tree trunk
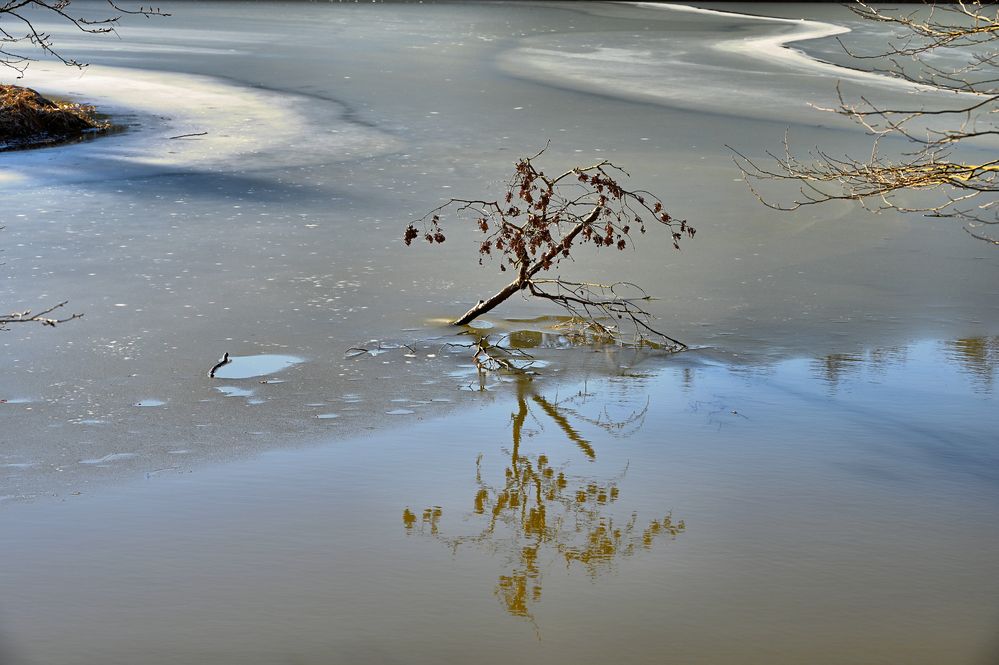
<point>525,276</point>
<point>484,306</point>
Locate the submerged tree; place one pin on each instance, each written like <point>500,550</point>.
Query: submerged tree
<point>20,21</point>
<point>940,159</point>
<point>542,219</point>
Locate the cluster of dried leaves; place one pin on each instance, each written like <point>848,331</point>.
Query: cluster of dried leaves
<point>540,217</point>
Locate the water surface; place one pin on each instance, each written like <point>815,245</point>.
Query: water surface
<point>350,489</point>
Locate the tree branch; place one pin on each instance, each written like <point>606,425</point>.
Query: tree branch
<point>40,317</point>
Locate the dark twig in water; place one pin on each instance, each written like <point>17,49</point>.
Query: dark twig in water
<point>224,360</point>
<point>185,136</point>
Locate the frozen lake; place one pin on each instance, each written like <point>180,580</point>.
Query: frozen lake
<point>349,489</point>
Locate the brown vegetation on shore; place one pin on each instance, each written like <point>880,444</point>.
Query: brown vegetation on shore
<point>27,119</point>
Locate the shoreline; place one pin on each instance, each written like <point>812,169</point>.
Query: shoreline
<point>32,121</point>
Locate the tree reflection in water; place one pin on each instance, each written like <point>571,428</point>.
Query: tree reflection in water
<point>979,358</point>
<point>540,511</point>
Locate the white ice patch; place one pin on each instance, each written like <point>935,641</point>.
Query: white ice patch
<point>776,49</point>
<point>754,74</point>
<point>229,127</point>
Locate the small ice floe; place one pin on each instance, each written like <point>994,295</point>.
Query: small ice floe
<point>113,457</point>
<point>149,402</point>
<point>356,351</point>
<point>156,472</point>
<point>249,367</point>
<point>327,416</point>
<point>234,391</point>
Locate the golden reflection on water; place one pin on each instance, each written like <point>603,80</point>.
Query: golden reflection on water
<point>837,367</point>
<point>978,357</point>
<point>538,509</point>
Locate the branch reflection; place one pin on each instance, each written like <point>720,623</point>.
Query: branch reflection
<point>539,511</point>
<point>978,357</point>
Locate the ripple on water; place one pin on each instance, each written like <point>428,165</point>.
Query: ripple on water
<point>113,457</point>
<point>234,391</point>
<point>249,367</point>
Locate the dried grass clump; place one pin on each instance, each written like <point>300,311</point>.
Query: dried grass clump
<point>27,119</point>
